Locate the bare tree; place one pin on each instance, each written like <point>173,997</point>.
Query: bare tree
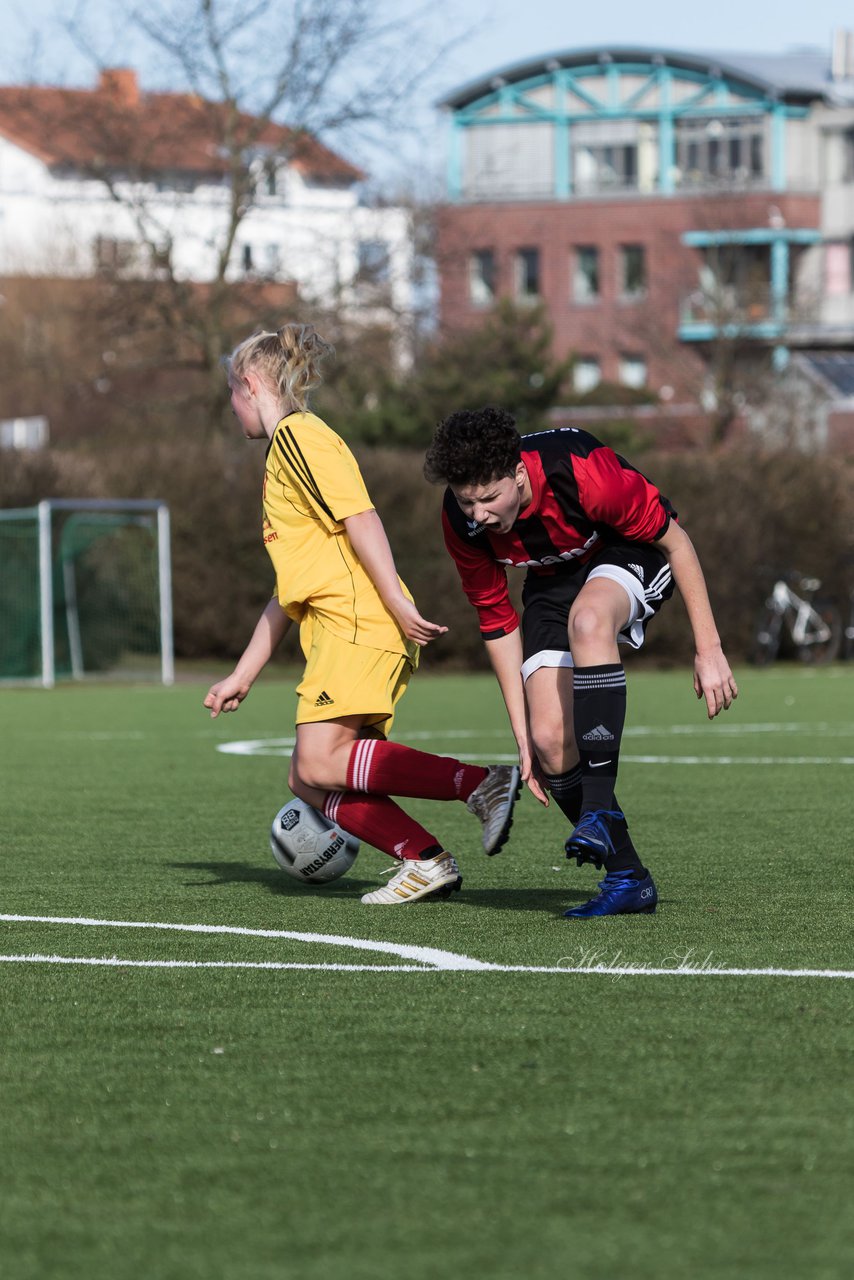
<point>264,84</point>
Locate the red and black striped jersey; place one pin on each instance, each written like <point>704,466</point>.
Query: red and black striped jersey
<point>584,495</point>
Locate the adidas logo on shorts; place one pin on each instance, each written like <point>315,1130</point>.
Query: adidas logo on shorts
<point>324,700</point>
<point>638,569</point>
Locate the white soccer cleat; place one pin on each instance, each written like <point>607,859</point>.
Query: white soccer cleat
<point>492,802</point>
<point>416,879</point>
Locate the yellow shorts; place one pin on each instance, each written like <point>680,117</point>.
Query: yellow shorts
<point>343,679</point>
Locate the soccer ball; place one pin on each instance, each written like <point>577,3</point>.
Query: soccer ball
<point>308,846</point>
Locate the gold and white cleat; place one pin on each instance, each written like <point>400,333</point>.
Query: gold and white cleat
<point>414,879</point>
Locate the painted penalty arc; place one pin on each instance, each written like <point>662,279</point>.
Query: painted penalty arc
<point>422,959</point>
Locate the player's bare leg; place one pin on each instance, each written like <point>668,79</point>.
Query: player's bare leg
<point>323,755</point>
<point>336,755</point>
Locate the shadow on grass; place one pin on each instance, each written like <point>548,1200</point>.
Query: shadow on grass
<point>552,901</point>
<point>225,873</point>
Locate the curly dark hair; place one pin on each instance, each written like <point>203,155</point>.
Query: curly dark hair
<point>474,446</point>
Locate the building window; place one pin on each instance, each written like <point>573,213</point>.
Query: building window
<point>613,155</point>
<point>182,183</point>
<point>735,283</point>
<point>585,275</point>
<point>528,274</point>
<point>246,258</point>
<point>482,277</point>
<point>113,255</point>
<point>272,260</point>
<point>727,150</point>
<point>632,371</point>
<point>586,374</point>
<point>838,269</point>
<point>848,156</point>
<point>632,270</point>
<point>269,177</point>
<point>508,161</point>
<point>374,262</point>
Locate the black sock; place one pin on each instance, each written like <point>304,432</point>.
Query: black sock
<point>566,791</point>
<point>599,713</point>
<point>599,702</point>
<point>625,856</point>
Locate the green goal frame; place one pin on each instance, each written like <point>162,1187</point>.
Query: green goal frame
<point>152,513</point>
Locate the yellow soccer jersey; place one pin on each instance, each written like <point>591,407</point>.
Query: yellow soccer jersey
<point>311,485</point>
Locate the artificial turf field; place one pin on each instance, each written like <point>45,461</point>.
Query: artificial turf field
<point>391,1115</point>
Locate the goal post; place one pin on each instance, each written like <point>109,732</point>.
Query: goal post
<point>86,591</point>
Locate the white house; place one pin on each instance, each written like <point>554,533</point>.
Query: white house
<point>113,178</point>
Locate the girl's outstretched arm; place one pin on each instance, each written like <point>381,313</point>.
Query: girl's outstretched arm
<point>228,694</point>
<point>368,539</point>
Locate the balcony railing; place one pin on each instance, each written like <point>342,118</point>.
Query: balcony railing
<point>748,312</point>
<point>732,311</point>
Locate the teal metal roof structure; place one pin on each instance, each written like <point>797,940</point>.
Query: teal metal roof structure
<point>799,76</point>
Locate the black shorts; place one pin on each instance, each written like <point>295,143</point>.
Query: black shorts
<point>639,567</point>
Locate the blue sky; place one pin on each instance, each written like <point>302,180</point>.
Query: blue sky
<point>508,30</point>
<point>491,34</point>
<point>504,31</point>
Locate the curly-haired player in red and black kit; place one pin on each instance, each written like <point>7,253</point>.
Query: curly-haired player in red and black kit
<point>602,550</point>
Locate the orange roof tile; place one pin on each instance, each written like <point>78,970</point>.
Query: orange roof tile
<point>115,126</point>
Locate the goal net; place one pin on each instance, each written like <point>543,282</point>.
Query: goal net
<point>85,591</point>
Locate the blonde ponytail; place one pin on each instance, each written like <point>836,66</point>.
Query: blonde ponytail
<point>289,360</point>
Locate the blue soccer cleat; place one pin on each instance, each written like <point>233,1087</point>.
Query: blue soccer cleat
<point>591,840</point>
<point>618,895</point>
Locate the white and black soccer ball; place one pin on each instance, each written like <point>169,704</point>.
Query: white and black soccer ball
<point>308,846</point>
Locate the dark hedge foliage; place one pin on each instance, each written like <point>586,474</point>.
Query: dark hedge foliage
<point>749,514</point>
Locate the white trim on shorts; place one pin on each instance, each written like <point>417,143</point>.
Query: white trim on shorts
<point>631,633</point>
<point>546,658</point>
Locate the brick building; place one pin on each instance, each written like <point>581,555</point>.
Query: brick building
<point>659,203</point>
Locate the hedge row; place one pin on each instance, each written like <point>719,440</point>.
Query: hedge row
<point>749,515</point>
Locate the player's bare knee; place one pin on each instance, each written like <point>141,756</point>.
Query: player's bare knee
<point>314,772</point>
<point>294,779</point>
<point>588,625</point>
<point>553,745</point>
<point>549,747</point>
<point>300,788</point>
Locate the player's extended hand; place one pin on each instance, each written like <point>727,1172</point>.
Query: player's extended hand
<point>226,695</point>
<point>532,774</point>
<point>413,626</point>
<point>714,681</point>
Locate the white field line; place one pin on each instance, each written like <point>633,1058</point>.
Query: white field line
<point>116,962</point>
<point>426,959</point>
<point>284,746</point>
<point>627,758</point>
<point>604,970</point>
<point>421,955</point>
<point>760,760</point>
<point>275,745</point>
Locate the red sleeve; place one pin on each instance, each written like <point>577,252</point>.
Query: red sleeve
<point>484,582</point>
<point>613,493</point>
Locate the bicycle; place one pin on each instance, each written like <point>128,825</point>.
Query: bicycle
<point>813,628</point>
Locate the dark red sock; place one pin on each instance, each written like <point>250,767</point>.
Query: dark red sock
<point>389,768</point>
<point>381,823</point>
